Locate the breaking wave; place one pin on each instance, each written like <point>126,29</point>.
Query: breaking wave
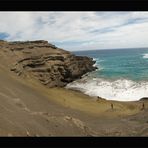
<point>121,89</point>
<point>97,64</point>
<point>145,56</point>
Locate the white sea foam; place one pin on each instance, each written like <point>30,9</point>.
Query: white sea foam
<point>121,89</point>
<point>97,64</point>
<point>98,60</point>
<point>94,59</point>
<point>145,56</point>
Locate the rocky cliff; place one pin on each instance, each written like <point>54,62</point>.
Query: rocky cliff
<point>47,63</point>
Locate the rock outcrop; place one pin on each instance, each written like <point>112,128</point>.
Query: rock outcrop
<point>47,63</point>
<point>144,99</point>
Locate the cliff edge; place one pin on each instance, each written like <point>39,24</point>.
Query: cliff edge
<point>47,63</point>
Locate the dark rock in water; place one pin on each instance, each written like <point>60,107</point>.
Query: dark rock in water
<point>144,98</point>
<point>50,65</point>
<point>100,98</point>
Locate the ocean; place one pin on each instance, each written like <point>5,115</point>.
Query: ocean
<point>122,74</point>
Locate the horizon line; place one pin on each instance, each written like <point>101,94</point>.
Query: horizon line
<point>109,49</point>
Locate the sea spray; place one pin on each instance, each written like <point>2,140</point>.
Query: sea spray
<point>121,89</point>
<point>121,75</point>
<point>145,56</point>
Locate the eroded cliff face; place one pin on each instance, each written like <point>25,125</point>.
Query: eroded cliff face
<point>50,65</point>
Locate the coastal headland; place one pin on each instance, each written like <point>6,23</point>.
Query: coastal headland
<point>34,101</point>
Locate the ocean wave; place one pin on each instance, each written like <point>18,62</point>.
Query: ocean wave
<point>121,89</point>
<point>94,59</point>
<point>97,60</point>
<point>97,64</point>
<point>145,56</point>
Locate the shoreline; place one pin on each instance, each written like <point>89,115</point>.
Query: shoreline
<point>79,101</point>
<point>122,90</point>
<point>75,99</point>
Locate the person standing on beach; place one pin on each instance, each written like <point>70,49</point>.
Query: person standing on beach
<point>112,106</point>
<point>143,107</point>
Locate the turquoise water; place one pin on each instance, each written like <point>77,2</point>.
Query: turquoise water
<point>120,63</point>
<point>122,74</point>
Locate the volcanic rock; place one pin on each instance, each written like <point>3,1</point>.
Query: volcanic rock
<point>47,63</point>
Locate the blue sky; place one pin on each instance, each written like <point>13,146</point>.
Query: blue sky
<point>78,30</point>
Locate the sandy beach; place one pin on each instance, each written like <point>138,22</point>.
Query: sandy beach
<point>31,109</point>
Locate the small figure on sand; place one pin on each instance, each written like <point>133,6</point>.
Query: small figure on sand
<point>143,107</point>
<point>112,106</point>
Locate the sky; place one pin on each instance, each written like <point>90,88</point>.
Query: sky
<point>73,31</point>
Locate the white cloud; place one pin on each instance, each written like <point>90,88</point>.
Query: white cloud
<point>78,30</point>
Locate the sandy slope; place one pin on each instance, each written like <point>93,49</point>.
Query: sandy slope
<point>28,108</point>
<point>25,111</point>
